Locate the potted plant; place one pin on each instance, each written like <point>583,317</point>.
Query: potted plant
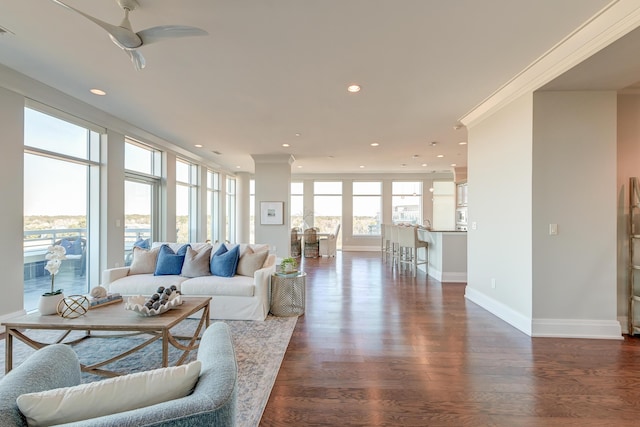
<point>49,300</point>
<point>288,265</point>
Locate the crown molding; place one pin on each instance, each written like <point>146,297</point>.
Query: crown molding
<point>611,23</point>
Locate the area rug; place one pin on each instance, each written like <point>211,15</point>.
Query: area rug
<point>259,346</point>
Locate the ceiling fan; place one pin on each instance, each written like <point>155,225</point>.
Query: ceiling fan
<point>126,39</point>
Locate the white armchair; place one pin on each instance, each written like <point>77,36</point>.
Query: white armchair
<point>328,244</point>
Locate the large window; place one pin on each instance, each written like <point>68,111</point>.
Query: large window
<point>186,201</point>
<point>327,202</point>
<point>231,209</point>
<point>141,196</point>
<point>406,202</point>
<point>213,206</point>
<point>61,170</point>
<point>367,208</point>
<point>297,205</point>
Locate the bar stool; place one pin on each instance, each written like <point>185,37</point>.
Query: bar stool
<point>409,245</point>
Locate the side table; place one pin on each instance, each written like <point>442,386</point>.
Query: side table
<point>288,294</point>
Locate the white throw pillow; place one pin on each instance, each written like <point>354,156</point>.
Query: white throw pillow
<point>144,261</point>
<point>110,396</point>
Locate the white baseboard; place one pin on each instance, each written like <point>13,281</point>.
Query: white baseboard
<point>445,277</point>
<point>577,328</point>
<point>512,317</point>
<point>550,328</point>
<point>454,277</point>
<point>361,249</point>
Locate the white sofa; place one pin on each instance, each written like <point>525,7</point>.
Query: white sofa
<point>233,298</point>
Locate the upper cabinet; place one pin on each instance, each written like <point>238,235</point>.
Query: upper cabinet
<point>461,199</point>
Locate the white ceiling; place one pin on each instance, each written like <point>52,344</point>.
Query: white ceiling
<point>271,69</point>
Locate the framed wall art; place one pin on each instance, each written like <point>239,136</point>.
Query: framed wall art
<point>271,213</point>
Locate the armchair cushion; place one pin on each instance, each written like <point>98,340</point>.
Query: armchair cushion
<point>119,394</point>
<point>53,366</point>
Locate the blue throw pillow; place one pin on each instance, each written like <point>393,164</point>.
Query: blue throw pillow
<point>142,244</point>
<point>225,263</point>
<point>170,262</point>
<point>66,245</point>
<point>76,247</point>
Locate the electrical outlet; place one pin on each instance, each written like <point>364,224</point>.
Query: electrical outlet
<point>493,283</point>
<point>553,229</point>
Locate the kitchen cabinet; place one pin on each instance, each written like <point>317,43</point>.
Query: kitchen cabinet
<point>461,194</point>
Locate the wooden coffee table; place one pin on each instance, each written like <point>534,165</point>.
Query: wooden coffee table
<point>112,318</point>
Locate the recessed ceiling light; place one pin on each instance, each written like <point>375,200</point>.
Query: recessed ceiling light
<point>453,165</point>
<point>237,167</point>
<point>361,166</point>
<point>440,156</point>
<point>297,134</point>
<point>462,143</point>
<point>404,165</point>
<point>424,165</point>
<point>299,166</point>
<point>198,145</point>
<point>433,143</point>
<point>286,145</point>
<point>375,144</point>
<point>415,156</point>
<point>98,92</point>
<point>354,88</point>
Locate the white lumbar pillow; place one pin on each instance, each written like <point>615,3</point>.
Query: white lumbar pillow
<point>119,394</point>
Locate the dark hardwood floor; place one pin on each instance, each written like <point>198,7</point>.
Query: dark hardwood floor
<point>377,347</point>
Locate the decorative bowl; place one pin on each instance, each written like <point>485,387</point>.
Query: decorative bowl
<point>136,304</point>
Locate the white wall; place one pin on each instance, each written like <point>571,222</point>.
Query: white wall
<point>556,153</point>
<point>273,184</point>
<point>628,162</point>
<point>574,285</point>
<point>500,182</point>
<point>12,178</point>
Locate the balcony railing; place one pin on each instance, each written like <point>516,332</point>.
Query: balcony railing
<point>71,277</point>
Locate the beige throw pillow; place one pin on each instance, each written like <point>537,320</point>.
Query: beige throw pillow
<point>110,396</point>
<point>251,261</point>
<point>144,261</point>
<point>196,263</point>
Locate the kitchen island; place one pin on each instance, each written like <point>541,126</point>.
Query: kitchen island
<point>447,254</point>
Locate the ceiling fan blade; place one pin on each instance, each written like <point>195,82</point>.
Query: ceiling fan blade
<point>123,37</point>
<point>155,34</point>
<point>137,59</point>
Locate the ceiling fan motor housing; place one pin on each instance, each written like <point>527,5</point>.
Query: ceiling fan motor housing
<point>128,4</point>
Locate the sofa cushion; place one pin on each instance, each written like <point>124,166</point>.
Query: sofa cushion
<point>224,262</point>
<point>251,261</point>
<point>241,286</point>
<point>196,263</point>
<point>170,262</point>
<point>119,394</point>
<point>144,284</point>
<point>144,260</point>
